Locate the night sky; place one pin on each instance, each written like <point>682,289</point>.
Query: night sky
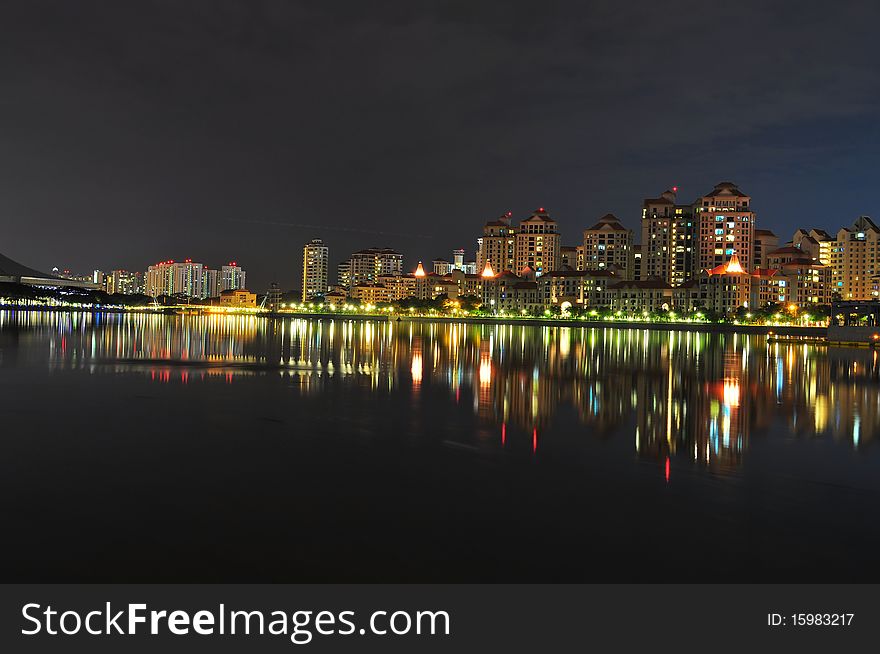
<point>137,131</point>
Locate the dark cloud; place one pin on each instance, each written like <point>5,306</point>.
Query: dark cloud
<point>147,130</point>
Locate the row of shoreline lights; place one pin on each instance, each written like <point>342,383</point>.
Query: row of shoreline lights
<point>673,316</point>
<point>618,315</point>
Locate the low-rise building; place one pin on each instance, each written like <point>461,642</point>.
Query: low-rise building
<point>635,295</point>
<point>469,285</point>
<point>400,287</point>
<point>238,298</point>
<point>335,297</point>
<point>562,286</point>
<point>721,289</point>
<point>511,294</point>
<point>817,243</point>
<point>370,293</point>
<point>577,287</point>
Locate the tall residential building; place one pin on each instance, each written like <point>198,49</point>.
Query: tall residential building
<point>188,279</point>
<point>124,282</point>
<point>232,277</point>
<point>656,247</point>
<point>638,271</point>
<point>211,285</point>
<point>684,245</point>
<point>537,244</point>
<point>668,231</point>
<point>343,274</point>
<point>765,241</point>
<point>159,279</point>
<point>608,245</point>
<point>316,262</point>
<point>855,260</point>
<point>726,227</point>
<point>365,266</point>
<point>497,245</point>
<point>176,278</point>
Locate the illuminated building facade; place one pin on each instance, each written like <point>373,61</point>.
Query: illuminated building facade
<point>798,282</point>
<point>637,261</point>
<point>232,277</point>
<point>668,247</point>
<point>855,260</point>
<point>184,278</point>
<point>366,266</point>
<point>637,295</point>
<point>726,227</point>
<point>497,245</point>
<point>585,288</point>
<point>561,287</point>
<point>316,261</point>
<point>537,244</point>
<point>238,298</point>
<point>721,289</point>
<point>511,294</point>
<point>608,246</point>
<point>469,285</point>
<point>443,267</point>
<point>343,275</point>
<point>211,282</point>
<point>124,282</point>
<point>368,293</point>
<point>655,251</point>
<point>817,243</point>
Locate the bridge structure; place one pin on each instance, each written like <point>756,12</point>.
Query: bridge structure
<point>16,273</point>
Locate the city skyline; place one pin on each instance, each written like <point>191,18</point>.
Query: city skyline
<point>569,295</point>
<point>683,229</point>
<point>195,123</point>
<point>472,253</point>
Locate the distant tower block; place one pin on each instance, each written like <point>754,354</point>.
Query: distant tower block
<point>316,258</point>
<point>458,259</point>
<point>273,297</point>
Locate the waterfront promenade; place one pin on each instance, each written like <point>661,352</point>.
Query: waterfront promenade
<point>665,326</point>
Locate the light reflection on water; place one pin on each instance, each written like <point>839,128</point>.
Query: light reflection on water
<point>692,396</point>
<point>205,448</point>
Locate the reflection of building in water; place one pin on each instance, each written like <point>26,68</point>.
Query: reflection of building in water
<point>853,406</point>
<point>699,396</point>
<point>692,399</point>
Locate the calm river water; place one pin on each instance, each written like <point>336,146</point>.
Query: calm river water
<point>218,448</point>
